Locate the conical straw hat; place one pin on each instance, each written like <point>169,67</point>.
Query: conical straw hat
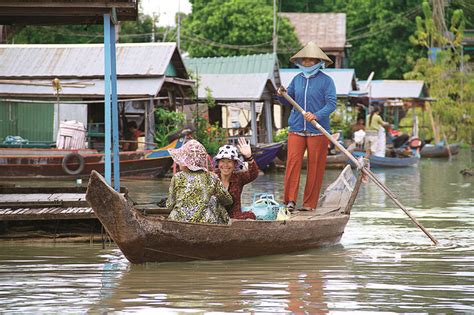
<point>311,50</point>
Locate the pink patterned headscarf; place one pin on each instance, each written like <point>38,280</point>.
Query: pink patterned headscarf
<point>192,154</point>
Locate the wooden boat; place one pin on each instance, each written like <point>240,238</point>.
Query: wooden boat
<point>388,162</point>
<point>144,238</point>
<point>438,151</point>
<point>55,163</point>
<point>264,154</point>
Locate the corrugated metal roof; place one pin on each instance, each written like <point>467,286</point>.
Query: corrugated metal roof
<point>82,88</point>
<point>76,61</point>
<point>327,30</point>
<point>344,79</point>
<point>234,87</point>
<point>250,64</point>
<point>384,89</point>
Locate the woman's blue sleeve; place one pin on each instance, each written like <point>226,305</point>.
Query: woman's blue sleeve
<point>290,92</point>
<point>329,100</point>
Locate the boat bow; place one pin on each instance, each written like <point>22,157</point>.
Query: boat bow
<point>116,215</point>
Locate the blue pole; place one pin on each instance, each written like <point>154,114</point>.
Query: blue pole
<point>108,138</point>
<point>115,114</point>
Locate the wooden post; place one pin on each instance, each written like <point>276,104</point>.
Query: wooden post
<point>150,125</point>
<point>253,123</point>
<point>269,120</point>
<point>434,126</point>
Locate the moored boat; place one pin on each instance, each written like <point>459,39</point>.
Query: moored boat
<point>144,238</point>
<point>438,151</point>
<point>59,163</point>
<point>265,154</point>
<point>389,162</point>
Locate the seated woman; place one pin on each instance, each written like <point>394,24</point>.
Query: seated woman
<point>227,163</point>
<point>196,195</point>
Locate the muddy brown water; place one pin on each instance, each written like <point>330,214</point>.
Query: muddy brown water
<point>383,264</point>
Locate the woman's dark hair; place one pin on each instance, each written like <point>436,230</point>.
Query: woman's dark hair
<point>372,112</point>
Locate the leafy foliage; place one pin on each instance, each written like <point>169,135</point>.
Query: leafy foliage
<point>166,123</point>
<point>281,135</point>
<point>235,27</point>
<point>453,89</point>
<point>377,30</point>
<point>340,122</point>
<point>211,136</point>
<point>453,92</point>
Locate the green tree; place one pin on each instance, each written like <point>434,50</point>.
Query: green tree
<point>451,88</point>
<point>378,31</point>
<point>235,27</point>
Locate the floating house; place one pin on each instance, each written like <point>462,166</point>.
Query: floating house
<point>395,97</point>
<point>42,85</point>
<point>243,87</point>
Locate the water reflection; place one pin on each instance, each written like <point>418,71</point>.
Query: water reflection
<point>386,277</point>
<point>265,284</point>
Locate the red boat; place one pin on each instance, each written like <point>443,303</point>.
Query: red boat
<point>56,163</point>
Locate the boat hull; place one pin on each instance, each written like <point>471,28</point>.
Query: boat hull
<point>17,163</point>
<point>264,154</point>
<point>179,241</point>
<point>437,151</point>
<point>388,162</point>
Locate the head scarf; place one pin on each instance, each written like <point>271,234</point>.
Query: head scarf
<point>192,154</point>
<point>310,71</point>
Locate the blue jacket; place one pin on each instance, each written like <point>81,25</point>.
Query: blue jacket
<point>316,94</point>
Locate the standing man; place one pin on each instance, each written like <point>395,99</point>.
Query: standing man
<point>316,93</point>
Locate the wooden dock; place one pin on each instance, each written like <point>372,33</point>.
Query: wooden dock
<point>43,204</point>
<point>52,212</point>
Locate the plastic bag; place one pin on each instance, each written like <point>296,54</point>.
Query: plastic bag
<point>264,206</point>
<point>283,214</point>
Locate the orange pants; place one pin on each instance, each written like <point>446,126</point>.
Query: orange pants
<point>317,147</point>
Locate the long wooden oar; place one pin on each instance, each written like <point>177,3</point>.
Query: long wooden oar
<point>363,169</point>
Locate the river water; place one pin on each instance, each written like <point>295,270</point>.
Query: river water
<point>384,263</point>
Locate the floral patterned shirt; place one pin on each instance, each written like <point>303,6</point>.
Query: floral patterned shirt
<point>198,197</point>
<point>236,185</point>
